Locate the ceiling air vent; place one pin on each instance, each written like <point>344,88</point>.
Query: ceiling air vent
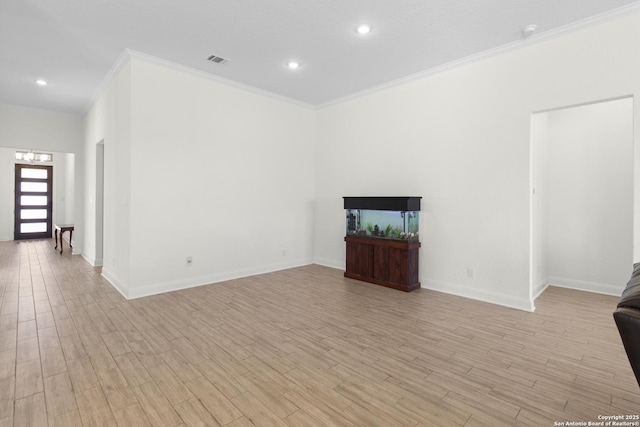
<point>217,59</point>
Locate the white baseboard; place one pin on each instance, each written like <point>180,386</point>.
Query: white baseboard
<point>480,295</point>
<point>540,288</point>
<point>583,285</point>
<point>330,263</point>
<point>449,288</point>
<point>5,238</point>
<point>96,262</point>
<point>83,255</point>
<point>111,278</point>
<point>192,282</point>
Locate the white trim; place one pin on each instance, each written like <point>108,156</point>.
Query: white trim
<point>450,288</point>
<point>586,103</point>
<point>583,285</point>
<point>129,54</point>
<point>83,255</point>
<point>329,263</point>
<point>480,295</point>
<point>5,238</point>
<point>534,262</point>
<point>92,262</point>
<point>176,285</point>
<point>113,72</point>
<point>43,110</point>
<point>540,288</point>
<point>111,278</point>
<point>508,47</point>
<point>216,78</point>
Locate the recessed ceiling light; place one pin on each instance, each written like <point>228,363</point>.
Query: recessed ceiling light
<point>529,29</point>
<point>363,29</point>
<point>41,82</point>
<point>294,65</point>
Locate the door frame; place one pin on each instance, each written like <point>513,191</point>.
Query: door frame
<point>17,235</point>
<point>538,281</point>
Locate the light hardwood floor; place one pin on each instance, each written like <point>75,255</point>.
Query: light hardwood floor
<point>300,347</point>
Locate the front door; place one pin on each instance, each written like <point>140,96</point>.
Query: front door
<point>34,204</point>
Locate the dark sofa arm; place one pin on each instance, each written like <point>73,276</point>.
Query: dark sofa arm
<point>628,322</point>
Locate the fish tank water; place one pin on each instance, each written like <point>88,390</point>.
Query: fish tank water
<point>384,217</point>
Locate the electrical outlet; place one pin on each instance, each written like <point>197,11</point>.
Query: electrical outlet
<point>470,273</point>
<point>284,252</point>
<point>189,260</point>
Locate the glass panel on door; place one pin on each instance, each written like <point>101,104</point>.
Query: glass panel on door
<point>34,172</point>
<point>29,187</point>
<point>33,227</point>
<point>34,200</point>
<point>33,214</point>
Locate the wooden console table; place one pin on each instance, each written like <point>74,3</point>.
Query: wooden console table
<point>61,229</point>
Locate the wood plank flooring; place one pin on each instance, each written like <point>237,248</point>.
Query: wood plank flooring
<point>300,347</point>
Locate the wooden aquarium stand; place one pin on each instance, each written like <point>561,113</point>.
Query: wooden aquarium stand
<point>387,262</point>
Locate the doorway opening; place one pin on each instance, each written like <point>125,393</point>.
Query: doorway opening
<point>582,181</point>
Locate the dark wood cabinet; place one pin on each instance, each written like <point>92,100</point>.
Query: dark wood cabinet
<point>386,262</point>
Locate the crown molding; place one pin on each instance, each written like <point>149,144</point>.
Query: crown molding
<point>39,109</point>
<point>508,47</point>
<point>129,54</point>
<point>113,72</point>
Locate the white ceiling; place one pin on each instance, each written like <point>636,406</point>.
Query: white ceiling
<point>74,43</point>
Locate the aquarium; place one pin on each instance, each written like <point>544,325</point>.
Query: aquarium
<point>384,217</point>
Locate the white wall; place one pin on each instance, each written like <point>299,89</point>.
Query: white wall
<point>7,183</point>
<point>64,191</point>
<point>31,128</point>
<point>60,189</point>
<point>213,172</point>
<point>69,195</point>
<point>109,122</point>
<point>589,208</point>
<point>461,140</point>
<point>99,204</point>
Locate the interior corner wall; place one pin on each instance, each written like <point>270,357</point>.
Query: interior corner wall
<point>588,223</point>
<point>218,174</point>
<point>461,140</point>
<point>109,121</point>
